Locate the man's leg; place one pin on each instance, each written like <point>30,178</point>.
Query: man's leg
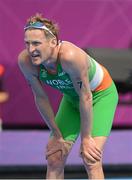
<point>57,153</point>
<point>95,170</point>
<point>104,105</point>
<point>68,121</point>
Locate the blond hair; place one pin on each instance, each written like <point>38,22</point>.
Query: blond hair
<point>53,27</point>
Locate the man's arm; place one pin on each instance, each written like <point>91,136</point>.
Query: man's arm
<point>79,75</point>
<point>41,99</point>
<point>77,67</point>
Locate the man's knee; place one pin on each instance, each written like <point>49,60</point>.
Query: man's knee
<point>56,160</point>
<point>91,164</point>
<point>57,153</point>
<point>94,166</point>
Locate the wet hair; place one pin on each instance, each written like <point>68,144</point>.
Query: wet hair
<point>51,29</point>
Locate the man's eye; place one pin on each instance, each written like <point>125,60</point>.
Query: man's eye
<point>27,43</point>
<point>36,43</point>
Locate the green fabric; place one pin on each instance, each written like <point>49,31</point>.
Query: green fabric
<point>104,105</point>
<point>62,80</point>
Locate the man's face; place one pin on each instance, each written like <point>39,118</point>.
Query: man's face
<point>37,45</point>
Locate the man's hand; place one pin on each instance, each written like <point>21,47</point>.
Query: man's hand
<point>89,151</point>
<point>58,145</point>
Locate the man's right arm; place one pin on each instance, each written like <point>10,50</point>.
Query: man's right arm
<point>41,99</point>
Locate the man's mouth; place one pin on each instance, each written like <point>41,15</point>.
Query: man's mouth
<point>35,54</point>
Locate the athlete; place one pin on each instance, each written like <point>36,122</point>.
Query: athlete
<point>89,96</point>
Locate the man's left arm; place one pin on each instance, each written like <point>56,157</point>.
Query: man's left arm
<point>79,75</point>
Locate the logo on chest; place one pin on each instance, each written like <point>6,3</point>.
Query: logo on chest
<point>60,84</point>
<point>61,74</point>
<point>44,73</point>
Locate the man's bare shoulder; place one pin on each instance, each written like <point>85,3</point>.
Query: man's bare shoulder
<point>68,49</point>
<point>24,61</point>
<point>23,56</point>
<point>26,66</point>
<point>72,55</point>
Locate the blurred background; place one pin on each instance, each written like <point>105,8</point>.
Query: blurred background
<point>103,28</point>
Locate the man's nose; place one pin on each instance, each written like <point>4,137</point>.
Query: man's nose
<point>31,48</point>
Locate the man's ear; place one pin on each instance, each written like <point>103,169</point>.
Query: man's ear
<point>53,42</point>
